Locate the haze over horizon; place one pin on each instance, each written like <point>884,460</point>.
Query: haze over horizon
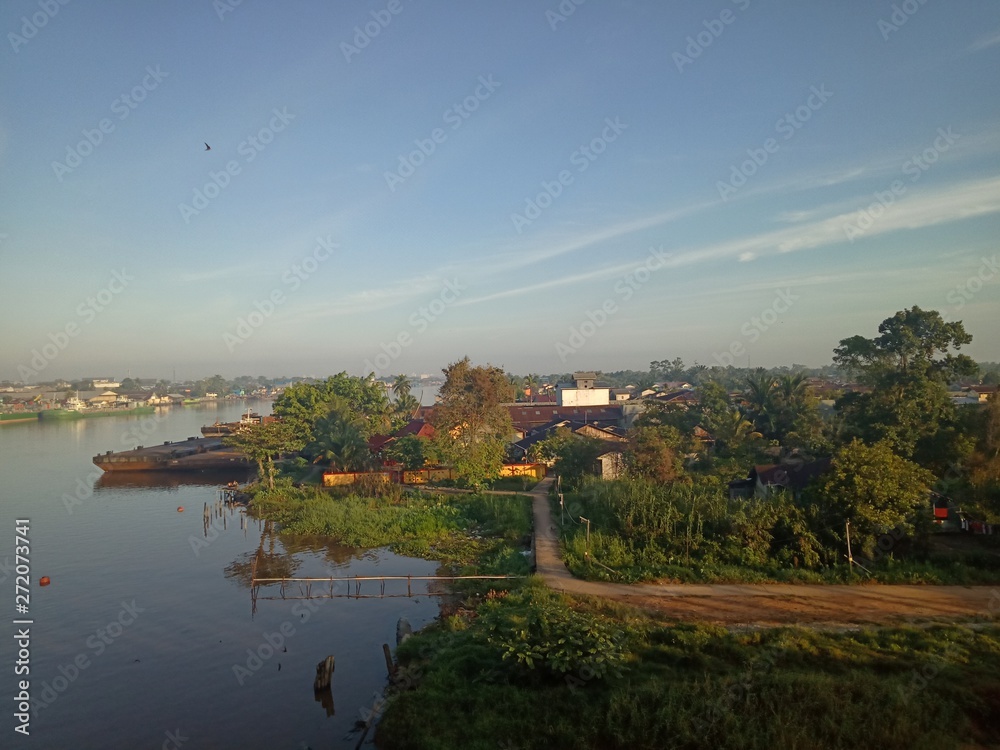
<point>544,186</point>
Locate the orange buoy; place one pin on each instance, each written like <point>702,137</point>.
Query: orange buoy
<point>180,509</point>
<point>44,581</point>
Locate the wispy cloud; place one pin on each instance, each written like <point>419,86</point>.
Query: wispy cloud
<point>982,43</point>
<point>913,211</point>
<point>606,272</point>
<point>373,299</point>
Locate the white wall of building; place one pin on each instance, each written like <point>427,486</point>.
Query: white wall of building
<point>584,397</point>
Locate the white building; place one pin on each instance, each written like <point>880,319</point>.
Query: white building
<point>583,392</point>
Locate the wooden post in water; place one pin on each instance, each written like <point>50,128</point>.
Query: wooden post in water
<point>324,673</point>
<point>389,666</point>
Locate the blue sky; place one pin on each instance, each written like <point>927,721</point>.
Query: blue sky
<point>395,185</point>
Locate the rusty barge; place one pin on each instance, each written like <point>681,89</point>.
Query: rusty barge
<point>193,454</point>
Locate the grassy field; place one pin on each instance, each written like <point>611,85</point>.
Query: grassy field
<point>533,669</point>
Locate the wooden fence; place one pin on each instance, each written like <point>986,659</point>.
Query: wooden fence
<point>424,476</point>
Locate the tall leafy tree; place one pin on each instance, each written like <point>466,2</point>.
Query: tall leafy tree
<point>262,443</point>
<point>875,490</point>
<point>472,427</point>
<point>908,366</point>
<point>654,453</point>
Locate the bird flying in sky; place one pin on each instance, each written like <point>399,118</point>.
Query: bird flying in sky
<point>207,147</point>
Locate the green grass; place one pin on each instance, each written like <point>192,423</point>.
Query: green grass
<point>513,484</point>
<point>471,533</point>
<point>697,686</point>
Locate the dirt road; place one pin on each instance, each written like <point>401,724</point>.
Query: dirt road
<point>766,604</point>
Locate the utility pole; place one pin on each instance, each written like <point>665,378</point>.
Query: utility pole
<point>587,521</point>
<point>562,511</point>
<point>850,557</point>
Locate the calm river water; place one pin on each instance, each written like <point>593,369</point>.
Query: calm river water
<point>145,637</point>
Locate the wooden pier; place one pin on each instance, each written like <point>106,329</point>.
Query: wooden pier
<point>354,586</point>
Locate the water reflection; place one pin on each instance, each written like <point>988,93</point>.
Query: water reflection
<point>271,558</point>
<point>168,479</point>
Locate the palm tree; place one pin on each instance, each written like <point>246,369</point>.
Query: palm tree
<point>733,430</point>
<point>401,386</point>
<point>406,406</point>
<point>531,385</point>
<point>759,396</point>
<point>792,388</point>
<point>340,442</point>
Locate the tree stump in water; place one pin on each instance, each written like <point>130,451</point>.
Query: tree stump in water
<point>324,673</point>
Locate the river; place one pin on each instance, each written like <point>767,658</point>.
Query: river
<point>146,637</point>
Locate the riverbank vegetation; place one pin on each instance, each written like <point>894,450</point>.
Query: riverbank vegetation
<point>529,668</point>
<point>470,533</point>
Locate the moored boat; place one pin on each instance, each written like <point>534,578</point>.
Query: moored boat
<point>193,454</point>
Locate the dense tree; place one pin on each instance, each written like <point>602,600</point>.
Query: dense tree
<point>654,452</point>
<point>408,451</point>
<point>668,369</point>
<point>876,491</point>
<point>472,427</point>
<point>303,404</point>
<point>907,368</point>
<point>982,470</point>
<point>261,443</point>
<point>912,342</point>
<point>339,441</point>
<point>575,456</point>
